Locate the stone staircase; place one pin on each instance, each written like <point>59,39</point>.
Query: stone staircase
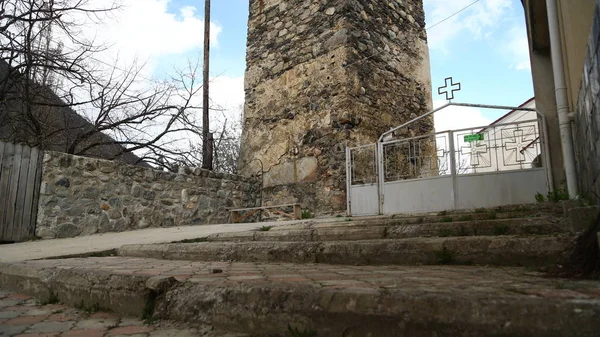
<point>514,236</point>
<point>468,273</point>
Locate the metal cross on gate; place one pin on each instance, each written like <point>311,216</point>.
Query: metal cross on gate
<point>475,149</point>
<point>517,144</point>
<point>449,88</point>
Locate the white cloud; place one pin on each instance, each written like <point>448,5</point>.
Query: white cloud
<point>479,20</point>
<point>498,21</point>
<point>455,117</point>
<point>145,30</point>
<point>518,49</point>
<point>227,92</point>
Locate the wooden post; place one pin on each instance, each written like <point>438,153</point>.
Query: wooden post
<point>206,148</point>
<point>298,211</point>
<point>235,216</point>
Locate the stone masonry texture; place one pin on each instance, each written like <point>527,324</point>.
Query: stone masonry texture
<point>587,122</point>
<point>83,196</point>
<point>332,300</point>
<point>324,75</point>
<point>25,316</point>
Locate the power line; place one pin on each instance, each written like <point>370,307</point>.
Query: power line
<point>437,23</point>
<point>454,14</point>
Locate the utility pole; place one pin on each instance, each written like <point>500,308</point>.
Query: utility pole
<point>207,143</point>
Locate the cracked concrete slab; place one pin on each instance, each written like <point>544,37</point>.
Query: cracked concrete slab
<point>262,299</point>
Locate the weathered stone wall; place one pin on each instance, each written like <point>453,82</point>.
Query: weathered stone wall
<point>83,196</point>
<point>323,75</point>
<point>586,129</point>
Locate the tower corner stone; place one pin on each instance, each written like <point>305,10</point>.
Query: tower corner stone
<point>322,76</point>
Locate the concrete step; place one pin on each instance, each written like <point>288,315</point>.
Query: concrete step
<point>504,212</point>
<point>544,207</point>
<point>332,300</point>
<point>23,315</point>
<point>393,229</point>
<point>508,250</point>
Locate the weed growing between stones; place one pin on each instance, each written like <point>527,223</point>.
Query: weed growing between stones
<point>479,210</point>
<point>501,229</point>
<point>446,219</point>
<point>148,311</point>
<point>420,220</point>
<point>307,214</point>
<point>89,309</point>
<point>539,197</point>
<point>443,233</point>
<point>292,332</point>
<point>462,231</point>
<point>492,215</point>
<point>52,299</point>
<point>102,253</point>
<point>444,256</point>
<point>553,196</point>
<point>468,217</point>
<point>204,239</point>
<point>265,228</point>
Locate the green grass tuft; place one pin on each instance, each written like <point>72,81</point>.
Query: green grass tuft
<point>501,229</point>
<point>203,239</point>
<point>462,231</point>
<point>52,299</point>
<point>444,256</point>
<point>307,214</point>
<point>467,217</point>
<point>292,332</point>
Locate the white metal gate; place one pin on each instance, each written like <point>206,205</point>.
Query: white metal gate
<point>485,166</point>
<point>361,176</point>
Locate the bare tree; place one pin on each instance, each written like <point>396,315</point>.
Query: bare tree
<point>59,95</point>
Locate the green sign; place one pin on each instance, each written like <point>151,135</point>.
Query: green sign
<point>474,137</point>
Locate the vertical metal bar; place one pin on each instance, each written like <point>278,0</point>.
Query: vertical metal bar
<point>348,182</point>
<point>381,178</point>
<point>495,133</point>
<point>545,149</point>
<point>453,169</point>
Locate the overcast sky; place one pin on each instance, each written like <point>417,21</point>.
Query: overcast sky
<point>484,47</point>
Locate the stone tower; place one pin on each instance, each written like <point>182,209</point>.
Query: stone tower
<point>322,75</point>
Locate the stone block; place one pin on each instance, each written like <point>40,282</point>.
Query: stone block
<point>160,284</point>
<point>581,218</point>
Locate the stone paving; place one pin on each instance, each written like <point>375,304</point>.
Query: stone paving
<point>43,249</point>
<point>24,316</point>
<point>495,282</point>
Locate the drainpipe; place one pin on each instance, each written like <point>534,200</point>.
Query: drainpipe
<point>562,106</point>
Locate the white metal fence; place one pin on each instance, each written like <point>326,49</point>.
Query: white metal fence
<point>485,166</point>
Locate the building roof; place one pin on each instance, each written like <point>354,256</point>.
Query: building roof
<point>497,121</point>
